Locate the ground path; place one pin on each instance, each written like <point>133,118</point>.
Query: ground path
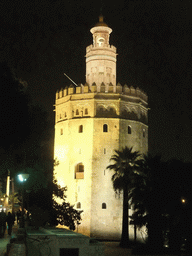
<point>113,249</point>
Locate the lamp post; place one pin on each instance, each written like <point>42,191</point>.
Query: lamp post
<point>6,203</point>
<point>23,178</point>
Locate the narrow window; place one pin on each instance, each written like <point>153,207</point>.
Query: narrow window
<point>143,133</point>
<point>61,131</point>
<point>80,151</point>
<point>78,205</point>
<point>104,206</point>
<point>79,171</point>
<point>104,150</point>
<point>60,116</point>
<point>65,114</point>
<point>105,128</point>
<point>86,111</point>
<point>77,112</point>
<point>80,128</point>
<point>129,129</point>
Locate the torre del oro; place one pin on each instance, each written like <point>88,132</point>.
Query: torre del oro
<point>91,121</point>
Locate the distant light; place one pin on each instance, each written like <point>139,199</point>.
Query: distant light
<point>23,177</point>
<point>183,200</point>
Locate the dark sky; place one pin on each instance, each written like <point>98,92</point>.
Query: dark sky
<point>44,39</point>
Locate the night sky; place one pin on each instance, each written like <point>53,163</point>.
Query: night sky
<point>42,40</point>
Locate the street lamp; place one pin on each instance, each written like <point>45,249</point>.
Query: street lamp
<point>23,178</point>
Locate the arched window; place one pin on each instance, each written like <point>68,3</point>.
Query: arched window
<point>129,129</point>
<point>79,171</point>
<point>80,128</point>
<point>105,128</point>
<point>77,112</point>
<point>143,133</point>
<point>78,205</point>
<point>86,111</point>
<point>104,206</point>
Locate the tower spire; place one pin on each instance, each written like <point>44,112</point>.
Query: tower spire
<point>100,18</point>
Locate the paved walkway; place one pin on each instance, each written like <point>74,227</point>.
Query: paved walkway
<point>6,239</point>
<point>113,249</point>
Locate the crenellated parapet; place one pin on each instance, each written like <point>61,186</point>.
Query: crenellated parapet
<point>102,89</point>
<point>106,46</point>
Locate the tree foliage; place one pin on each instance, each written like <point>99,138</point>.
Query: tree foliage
<point>66,214</point>
<point>156,197</point>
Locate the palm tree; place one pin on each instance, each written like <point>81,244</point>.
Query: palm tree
<point>126,162</point>
<point>147,197</point>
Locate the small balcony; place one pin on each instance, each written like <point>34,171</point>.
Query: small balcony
<point>79,175</point>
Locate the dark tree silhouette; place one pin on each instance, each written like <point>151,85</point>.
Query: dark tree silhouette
<point>13,111</point>
<point>161,201</point>
<point>126,162</point>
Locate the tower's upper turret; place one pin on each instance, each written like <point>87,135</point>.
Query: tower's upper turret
<point>101,33</point>
<point>101,56</point>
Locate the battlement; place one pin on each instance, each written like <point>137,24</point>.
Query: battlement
<point>102,88</point>
<point>105,46</point>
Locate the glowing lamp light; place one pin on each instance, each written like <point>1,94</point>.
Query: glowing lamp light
<point>23,177</point>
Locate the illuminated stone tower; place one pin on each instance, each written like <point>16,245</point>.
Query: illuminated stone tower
<point>91,121</point>
<point>101,57</point>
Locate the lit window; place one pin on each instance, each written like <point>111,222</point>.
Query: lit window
<point>104,206</point>
<point>80,128</point>
<point>129,129</point>
<point>86,111</point>
<point>77,112</point>
<point>143,133</point>
<point>78,205</point>
<point>79,171</point>
<point>105,128</point>
<point>61,131</point>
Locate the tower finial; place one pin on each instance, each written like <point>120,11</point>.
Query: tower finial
<point>100,18</point>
